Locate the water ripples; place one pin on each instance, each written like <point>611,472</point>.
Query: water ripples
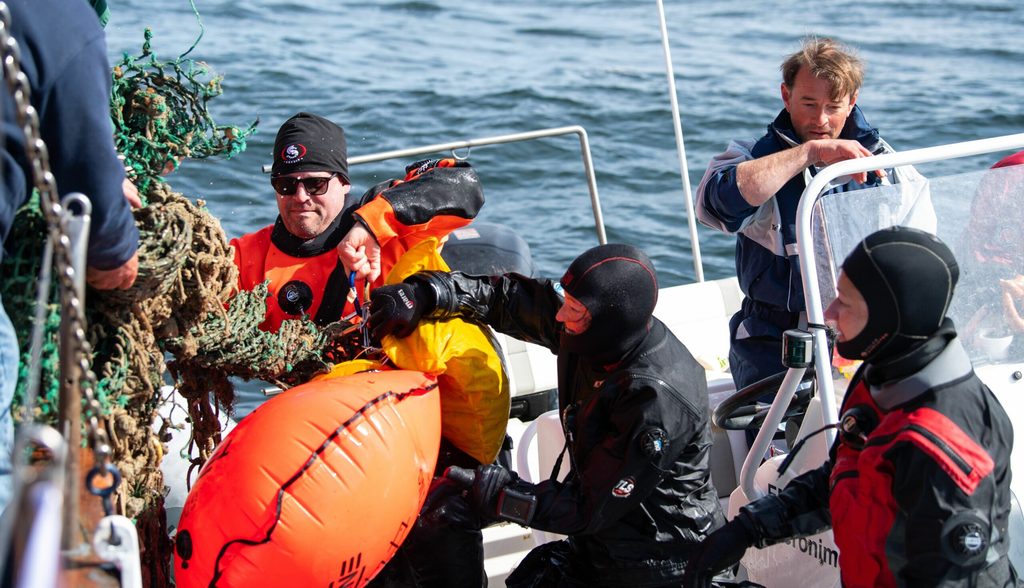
<point>406,73</point>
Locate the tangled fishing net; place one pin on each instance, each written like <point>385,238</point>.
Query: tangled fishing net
<point>161,116</point>
<point>182,304</point>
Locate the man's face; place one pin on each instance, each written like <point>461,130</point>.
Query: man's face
<point>848,312</point>
<point>814,113</point>
<point>306,215</point>
<point>573,315</point>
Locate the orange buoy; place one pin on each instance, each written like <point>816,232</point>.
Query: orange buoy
<point>316,487</point>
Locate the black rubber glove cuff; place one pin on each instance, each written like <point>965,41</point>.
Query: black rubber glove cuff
<point>438,290</point>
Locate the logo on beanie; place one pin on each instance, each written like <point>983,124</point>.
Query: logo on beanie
<point>293,153</point>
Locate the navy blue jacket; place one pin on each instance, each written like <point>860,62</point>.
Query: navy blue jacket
<point>64,56</point>
<point>766,256</point>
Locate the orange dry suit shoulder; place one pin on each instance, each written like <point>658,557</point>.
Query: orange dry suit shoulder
<point>436,197</point>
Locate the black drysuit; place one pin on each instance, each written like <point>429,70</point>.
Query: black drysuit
<point>638,495</point>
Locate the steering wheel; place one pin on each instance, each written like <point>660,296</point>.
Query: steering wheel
<point>743,412</point>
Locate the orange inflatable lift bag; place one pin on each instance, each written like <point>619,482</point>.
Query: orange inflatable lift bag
<point>316,487</point>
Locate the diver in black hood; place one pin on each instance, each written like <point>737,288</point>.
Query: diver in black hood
<point>638,497</point>
<point>917,486</point>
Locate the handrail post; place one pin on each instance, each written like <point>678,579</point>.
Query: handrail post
<point>76,217</point>
<point>588,168</point>
<point>691,218</point>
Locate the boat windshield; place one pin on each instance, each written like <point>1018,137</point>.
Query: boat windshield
<point>978,214</point>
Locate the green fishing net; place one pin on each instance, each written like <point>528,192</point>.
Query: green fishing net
<point>181,322</point>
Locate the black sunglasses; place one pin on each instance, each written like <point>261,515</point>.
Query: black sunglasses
<point>287,185</point>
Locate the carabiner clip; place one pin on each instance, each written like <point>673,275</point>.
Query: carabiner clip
<point>362,309</point>
<point>355,295</point>
<point>104,492</point>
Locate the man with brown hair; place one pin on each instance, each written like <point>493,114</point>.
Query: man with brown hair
<point>754,187</point>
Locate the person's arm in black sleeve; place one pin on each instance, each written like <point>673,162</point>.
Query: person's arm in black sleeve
<point>930,543</point>
<point>518,306</point>
<point>800,510</point>
<point>649,426</point>
<point>75,123</point>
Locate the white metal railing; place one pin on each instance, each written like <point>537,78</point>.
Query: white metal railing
<point>588,163</point>
<point>812,293</point>
<point>691,218</point>
<point>805,245</point>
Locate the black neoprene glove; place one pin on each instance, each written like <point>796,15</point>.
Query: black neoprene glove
<point>446,504</point>
<point>397,309</point>
<point>487,482</point>
<point>720,550</point>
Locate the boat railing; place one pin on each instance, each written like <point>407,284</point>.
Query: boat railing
<point>588,164</point>
<point>468,144</point>
<point>677,126</point>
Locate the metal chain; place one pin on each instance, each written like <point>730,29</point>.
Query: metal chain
<point>72,307</point>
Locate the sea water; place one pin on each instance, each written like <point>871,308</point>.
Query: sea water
<point>400,74</point>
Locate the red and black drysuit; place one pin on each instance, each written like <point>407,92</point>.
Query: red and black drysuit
<point>306,276</point>
<point>925,500</point>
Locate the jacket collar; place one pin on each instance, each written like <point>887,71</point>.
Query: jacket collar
<point>296,247</point>
<point>949,365</point>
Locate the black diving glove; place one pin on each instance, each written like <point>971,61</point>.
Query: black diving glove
<point>719,551</point>
<point>492,495</point>
<point>396,310</point>
<point>447,505</point>
<point>485,484</point>
<point>488,483</point>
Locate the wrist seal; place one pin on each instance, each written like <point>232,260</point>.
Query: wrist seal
<point>442,303</point>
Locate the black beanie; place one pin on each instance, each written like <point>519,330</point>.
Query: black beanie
<point>307,142</point>
<point>907,277</point>
<point>618,286</point>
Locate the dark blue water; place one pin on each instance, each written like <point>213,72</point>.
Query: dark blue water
<point>399,74</point>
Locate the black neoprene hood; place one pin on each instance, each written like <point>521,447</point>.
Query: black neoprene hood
<point>618,286</point>
<point>907,277</point>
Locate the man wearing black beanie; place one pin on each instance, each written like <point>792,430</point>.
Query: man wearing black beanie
<point>917,487</point>
<point>638,497</point>
<point>322,234</point>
